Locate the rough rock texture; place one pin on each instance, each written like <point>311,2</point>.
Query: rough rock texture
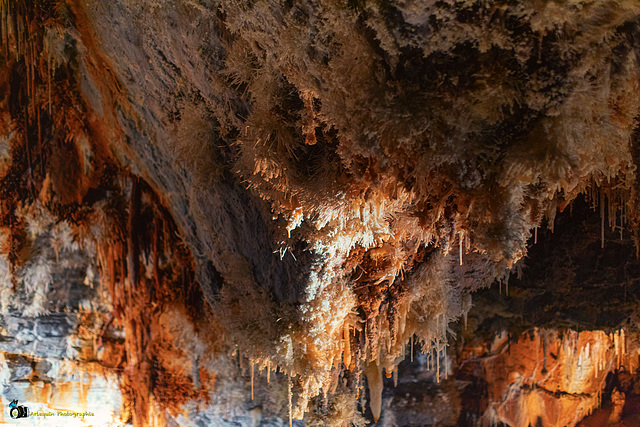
<point>312,188</point>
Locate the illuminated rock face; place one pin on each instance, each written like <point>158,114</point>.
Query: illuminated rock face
<point>49,386</point>
<point>536,378</point>
<point>201,194</point>
<point>558,382</point>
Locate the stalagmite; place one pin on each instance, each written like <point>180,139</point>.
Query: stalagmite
<point>535,234</point>
<point>252,368</point>
<point>374,379</point>
<point>461,242</point>
<point>268,371</point>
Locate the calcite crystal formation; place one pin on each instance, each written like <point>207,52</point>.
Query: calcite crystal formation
<point>249,210</point>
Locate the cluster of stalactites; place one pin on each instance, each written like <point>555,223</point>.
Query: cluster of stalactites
<point>435,355</point>
<point>614,204</point>
<point>23,35</point>
<point>576,363</point>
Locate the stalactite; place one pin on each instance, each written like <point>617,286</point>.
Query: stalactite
<point>374,379</point>
<point>601,218</point>
<point>412,348</point>
<point>49,76</point>
<point>133,250</point>
<point>289,394</point>
<point>16,34</point>
<point>27,64</point>
<point>361,394</point>
<point>446,366</point>
<point>347,348</point>
<point>437,362</point>
<point>544,353</point>
<point>611,209</point>
<point>2,23</point>
<point>252,376</point>
<point>616,349</point>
